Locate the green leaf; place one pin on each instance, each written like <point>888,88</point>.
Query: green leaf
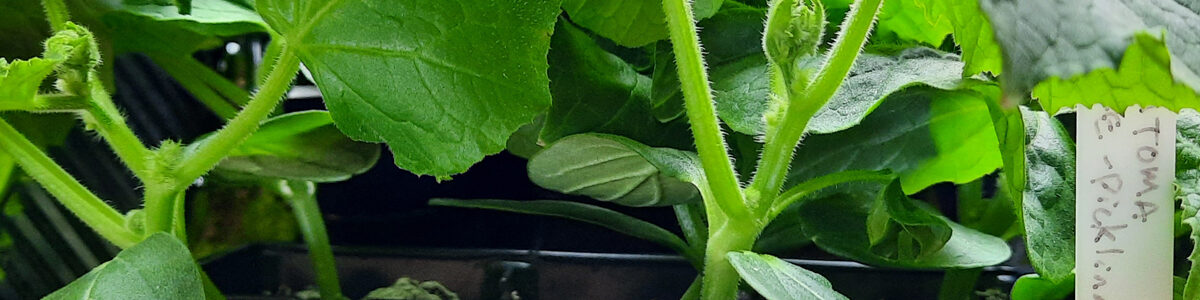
<point>629,23</point>
<point>993,216</point>
<point>838,223</point>
<point>738,72</point>
<point>300,146</point>
<point>905,20</point>
<point>1049,196</point>
<point>899,228</point>
<point>449,84</point>
<point>20,80</point>
<point>596,215</point>
<point>1034,287</point>
<point>596,91</point>
<point>776,279</point>
<point>1154,45</point>
<point>972,32</point>
<point>159,267</point>
<point>1187,182</point>
<point>147,26</point>
<point>616,169</point>
<point>918,133</point>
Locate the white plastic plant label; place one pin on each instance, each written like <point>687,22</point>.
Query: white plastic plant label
<point>1125,168</point>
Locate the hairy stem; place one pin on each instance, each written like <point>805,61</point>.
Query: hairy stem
<point>66,189</point>
<point>777,153</point>
<point>301,195</point>
<point>57,14</point>
<point>812,185</point>
<point>203,157</point>
<point>159,201</point>
<point>104,117</point>
<point>720,278</point>
<point>697,94</point>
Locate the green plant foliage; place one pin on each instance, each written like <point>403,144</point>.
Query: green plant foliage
<point>1034,287</point>
<point>616,169</point>
<point>1150,43</point>
<point>838,223</point>
<point>299,146</point>
<point>225,215</point>
<point>972,32</point>
<point>1187,184</point>
<point>162,28</point>
<point>427,91</point>
<point>776,279</point>
<point>899,228</point>
<point>159,267</point>
<point>596,91</point>
<point>918,133</point>
<point>1049,196</point>
<point>629,23</point>
<point>580,212</point>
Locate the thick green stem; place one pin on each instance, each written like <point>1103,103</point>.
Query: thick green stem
<point>203,157</point>
<point>697,94</point>
<point>57,14</point>
<point>720,278</point>
<point>302,196</point>
<point>104,117</point>
<point>159,201</point>
<point>777,153</point>
<point>65,188</point>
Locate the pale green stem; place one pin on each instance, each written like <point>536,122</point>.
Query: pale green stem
<point>159,202</point>
<point>57,14</point>
<point>698,101</point>
<point>203,157</point>
<point>308,215</point>
<point>104,117</point>
<point>65,188</point>
<point>780,148</point>
<point>720,278</point>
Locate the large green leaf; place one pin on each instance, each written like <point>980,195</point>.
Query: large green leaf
<point>972,32</point>
<point>159,27</point>
<point>596,215</point>
<point>925,135</point>
<point>617,169</point>
<point>159,267</point>
<point>776,279</point>
<point>596,91</point>
<point>838,223</point>
<point>629,23</point>
<point>444,83</point>
<point>1049,196</point>
<point>1187,182</point>
<point>1043,40</point>
<point>300,146</point>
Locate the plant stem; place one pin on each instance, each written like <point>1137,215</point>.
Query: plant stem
<point>103,116</point>
<point>204,92</point>
<point>179,217</point>
<point>720,278</point>
<point>691,221</point>
<point>74,196</point>
<point>56,14</point>
<point>159,202</point>
<point>697,94</point>
<point>204,156</point>
<point>693,291</point>
<point>302,196</point>
<point>777,154</point>
<point>812,185</point>
<point>958,284</point>
<point>211,292</point>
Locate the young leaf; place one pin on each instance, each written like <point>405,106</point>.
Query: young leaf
<point>918,133</point>
<point>1037,47</point>
<point>629,23</point>
<point>444,83</point>
<point>900,228</point>
<point>1049,196</point>
<point>159,267</point>
<point>20,79</point>
<point>596,91</point>
<point>1034,287</point>
<point>300,146</point>
<point>838,224</point>
<point>580,212</point>
<point>776,279</point>
<point>616,169</point>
